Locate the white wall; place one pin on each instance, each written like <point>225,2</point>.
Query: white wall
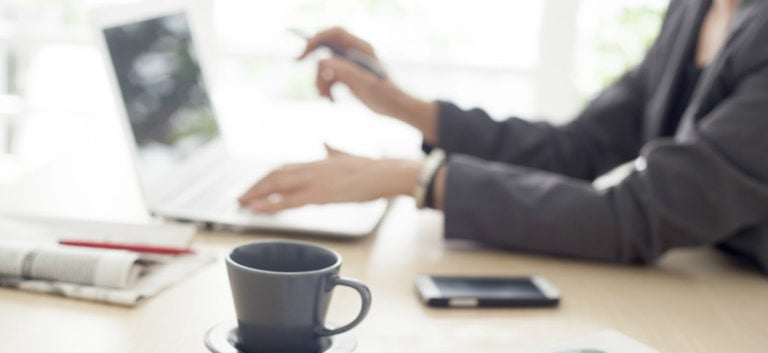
<point>556,97</point>
<point>509,57</point>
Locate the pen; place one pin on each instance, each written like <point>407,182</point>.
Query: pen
<point>353,56</point>
<point>129,247</point>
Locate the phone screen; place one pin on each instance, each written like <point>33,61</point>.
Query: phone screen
<point>490,288</point>
<point>450,291</point>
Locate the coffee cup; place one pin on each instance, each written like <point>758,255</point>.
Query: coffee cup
<point>281,291</point>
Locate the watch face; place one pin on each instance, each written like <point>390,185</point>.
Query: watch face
<point>424,194</point>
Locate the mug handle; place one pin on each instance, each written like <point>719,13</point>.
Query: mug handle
<point>365,296</point>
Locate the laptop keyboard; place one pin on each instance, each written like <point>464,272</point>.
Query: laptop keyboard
<point>218,191</point>
<point>214,197</point>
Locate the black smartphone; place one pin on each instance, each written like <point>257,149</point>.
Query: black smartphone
<point>450,291</point>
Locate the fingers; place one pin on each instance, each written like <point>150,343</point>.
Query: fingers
<point>333,153</point>
<point>338,38</point>
<point>326,78</point>
<point>280,181</point>
<point>328,36</point>
<point>347,179</point>
<point>333,70</point>
<point>281,202</point>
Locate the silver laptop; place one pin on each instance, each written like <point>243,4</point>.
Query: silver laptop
<point>182,164</point>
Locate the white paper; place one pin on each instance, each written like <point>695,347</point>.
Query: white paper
<point>50,262</point>
<point>41,228</point>
<point>114,281</point>
<point>607,341</point>
<point>156,279</point>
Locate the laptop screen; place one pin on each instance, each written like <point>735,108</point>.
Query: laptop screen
<point>163,90</point>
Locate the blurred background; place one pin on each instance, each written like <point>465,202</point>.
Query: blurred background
<point>539,59</point>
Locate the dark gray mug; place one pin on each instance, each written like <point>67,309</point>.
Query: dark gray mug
<point>281,291</point>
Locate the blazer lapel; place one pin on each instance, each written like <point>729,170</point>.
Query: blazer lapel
<point>701,101</point>
<point>682,45</point>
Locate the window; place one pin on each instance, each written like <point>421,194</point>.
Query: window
<point>479,53</point>
<point>614,36</point>
<point>539,58</point>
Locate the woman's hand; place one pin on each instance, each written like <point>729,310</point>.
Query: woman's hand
<point>379,94</point>
<point>340,39</point>
<point>341,177</point>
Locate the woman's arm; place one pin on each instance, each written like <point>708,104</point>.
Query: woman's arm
<point>607,133</point>
<point>703,188</point>
<point>380,94</point>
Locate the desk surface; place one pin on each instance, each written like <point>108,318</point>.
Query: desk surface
<point>692,301</point>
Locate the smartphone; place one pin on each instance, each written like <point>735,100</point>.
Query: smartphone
<point>450,291</point>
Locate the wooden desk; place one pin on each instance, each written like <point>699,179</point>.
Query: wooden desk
<point>692,301</point>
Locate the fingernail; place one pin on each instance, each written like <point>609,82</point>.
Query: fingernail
<point>258,205</point>
<point>327,74</point>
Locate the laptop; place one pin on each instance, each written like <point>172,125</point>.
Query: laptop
<point>183,167</point>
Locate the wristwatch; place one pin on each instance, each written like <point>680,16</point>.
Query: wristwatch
<point>431,165</point>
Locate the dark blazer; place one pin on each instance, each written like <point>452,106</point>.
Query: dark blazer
<point>527,186</point>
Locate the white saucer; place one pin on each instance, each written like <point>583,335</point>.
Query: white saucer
<point>222,338</point>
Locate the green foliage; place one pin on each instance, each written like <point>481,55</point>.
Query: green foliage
<point>63,11</point>
<point>621,41</point>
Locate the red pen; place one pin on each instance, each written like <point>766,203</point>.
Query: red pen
<point>136,248</point>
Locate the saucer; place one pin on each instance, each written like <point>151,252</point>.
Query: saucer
<point>222,338</point>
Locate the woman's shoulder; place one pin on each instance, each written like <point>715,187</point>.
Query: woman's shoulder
<point>750,33</point>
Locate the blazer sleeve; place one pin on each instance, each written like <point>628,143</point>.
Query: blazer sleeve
<point>693,191</point>
<point>607,133</point>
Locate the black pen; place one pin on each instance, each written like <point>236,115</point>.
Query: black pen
<point>353,56</point>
